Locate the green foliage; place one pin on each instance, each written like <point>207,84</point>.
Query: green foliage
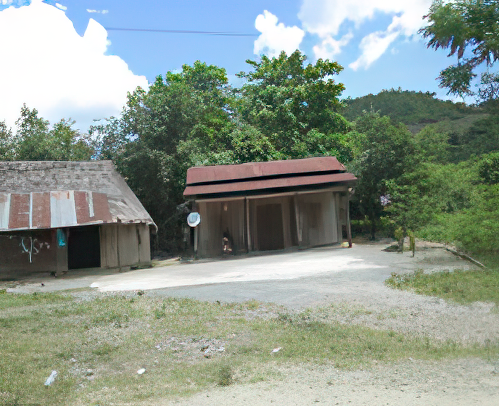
<point>286,100</point>
<point>476,229</point>
<point>35,141</point>
<point>31,143</point>
<point>6,145</point>
<point>184,119</point>
<point>459,26</point>
<point>388,152</point>
<point>429,190</point>
<point>406,107</point>
<point>489,168</point>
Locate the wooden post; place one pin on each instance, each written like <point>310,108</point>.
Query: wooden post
<point>248,232</point>
<point>196,232</point>
<point>347,212</point>
<point>297,216</point>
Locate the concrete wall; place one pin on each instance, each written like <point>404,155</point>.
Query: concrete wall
<point>124,245</point>
<point>46,255</point>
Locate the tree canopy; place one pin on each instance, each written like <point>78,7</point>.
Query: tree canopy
<point>469,29</point>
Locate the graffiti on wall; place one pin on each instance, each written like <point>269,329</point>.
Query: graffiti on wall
<point>32,246</point>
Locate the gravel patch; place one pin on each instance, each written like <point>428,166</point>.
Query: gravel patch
<point>450,383</point>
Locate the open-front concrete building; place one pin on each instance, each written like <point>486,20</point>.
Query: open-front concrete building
<point>56,216</point>
<point>275,205</point>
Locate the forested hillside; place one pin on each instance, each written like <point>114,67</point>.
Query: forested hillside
<point>408,107</point>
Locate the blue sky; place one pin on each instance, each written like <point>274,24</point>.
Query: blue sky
<point>65,61</point>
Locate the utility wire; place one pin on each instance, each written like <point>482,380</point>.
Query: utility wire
<point>220,33</point>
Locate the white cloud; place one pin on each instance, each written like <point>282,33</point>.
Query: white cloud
<point>373,46</point>
<point>326,17</point>
<point>276,37</point>
<point>329,47</point>
<point>97,11</point>
<point>53,69</point>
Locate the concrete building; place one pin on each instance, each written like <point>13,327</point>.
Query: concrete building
<point>275,205</point>
<point>56,216</point>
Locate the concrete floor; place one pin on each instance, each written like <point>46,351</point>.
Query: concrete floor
<point>296,280</point>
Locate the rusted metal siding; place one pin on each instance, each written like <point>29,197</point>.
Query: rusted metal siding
<point>55,209</point>
<point>45,194</point>
<point>62,209</point>
<point>40,210</point>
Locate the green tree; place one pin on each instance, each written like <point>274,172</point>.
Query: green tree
<point>35,141</point>
<point>32,142</point>
<point>468,29</point>
<point>294,105</point>
<point>388,152</point>
<point>184,119</point>
<point>428,191</point>
<point>6,143</point>
<point>489,169</point>
<point>68,144</point>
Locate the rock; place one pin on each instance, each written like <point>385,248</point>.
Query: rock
<point>141,371</point>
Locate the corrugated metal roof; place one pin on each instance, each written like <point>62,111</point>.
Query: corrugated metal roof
<point>265,176</point>
<point>268,184</point>
<point>53,209</point>
<point>204,174</point>
<point>36,195</point>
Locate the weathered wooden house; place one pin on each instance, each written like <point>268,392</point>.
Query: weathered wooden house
<point>275,205</point>
<point>56,216</point>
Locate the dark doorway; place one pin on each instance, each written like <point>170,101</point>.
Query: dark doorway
<point>84,247</point>
<point>269,227</point>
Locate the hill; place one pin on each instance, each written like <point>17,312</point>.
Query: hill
<point>414,109</point>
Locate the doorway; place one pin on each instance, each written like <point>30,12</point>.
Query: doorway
<point>84,247</point>
<point>269,227</point>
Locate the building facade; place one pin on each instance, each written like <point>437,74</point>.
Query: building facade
<point>56,216</point>
<point>264,206</point>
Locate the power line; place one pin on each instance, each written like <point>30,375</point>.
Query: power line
<point>219,33</point>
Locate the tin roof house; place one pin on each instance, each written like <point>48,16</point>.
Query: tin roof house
<point>262,206</point>
<point>56,216</point>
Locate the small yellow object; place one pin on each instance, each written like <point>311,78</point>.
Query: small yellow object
<point>344,245</point>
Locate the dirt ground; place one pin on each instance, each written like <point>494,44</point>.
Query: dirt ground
<point>345,285</point>
<point>409,383</point>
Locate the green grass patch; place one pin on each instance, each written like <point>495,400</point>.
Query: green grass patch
<point>458,286</point>
<point>97,346</point>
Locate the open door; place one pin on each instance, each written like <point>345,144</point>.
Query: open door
<point>84,247</point>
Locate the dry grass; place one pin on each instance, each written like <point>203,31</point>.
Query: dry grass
<point>97,347</point>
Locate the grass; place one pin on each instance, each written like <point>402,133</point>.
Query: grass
<point>97,347</point>
<point>458,286</point>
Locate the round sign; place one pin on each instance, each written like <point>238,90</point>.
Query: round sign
<point>193,219</point>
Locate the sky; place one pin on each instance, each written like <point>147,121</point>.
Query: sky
<point>68,60</point>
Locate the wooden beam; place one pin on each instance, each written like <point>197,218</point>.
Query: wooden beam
<point>349,230</point>
<point>248,225</point>
<point>297,216</point>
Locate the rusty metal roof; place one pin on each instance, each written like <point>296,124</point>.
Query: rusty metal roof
<point>204,174</point>
<point>266,176</point>
<point>46,194</point>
